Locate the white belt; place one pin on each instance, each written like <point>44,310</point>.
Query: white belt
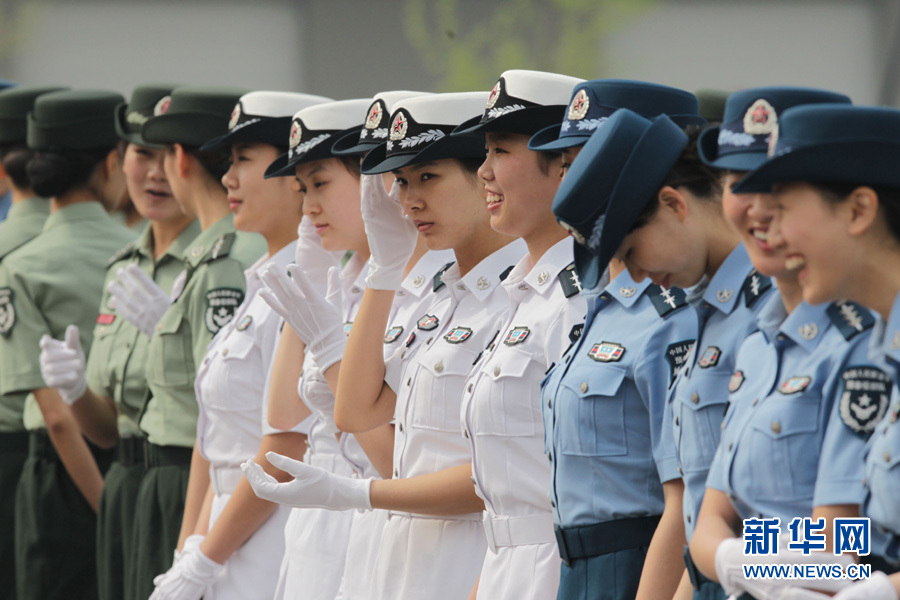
<point>224,480</point>
<point>505,530</point>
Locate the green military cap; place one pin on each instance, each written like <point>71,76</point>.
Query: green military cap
<point>73,120</point>
<point>712,104</point>
<point>144,103</point>
<point>193,116</point>
<point>15,104</point>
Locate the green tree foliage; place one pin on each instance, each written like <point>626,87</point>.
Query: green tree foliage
<point>467,52</point>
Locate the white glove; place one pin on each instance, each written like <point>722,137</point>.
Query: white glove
<point>137,298</point>
<point>312,257</point>
<point>392,236</point>
<point>316,320</point>
<point>312,487</point>
<point>730,559</point>
<point>877,587</point>
<point>63,365</point>
<point>188,578</point>
<point>190,542</point>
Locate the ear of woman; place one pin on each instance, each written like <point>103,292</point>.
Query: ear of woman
<point>863,205</point>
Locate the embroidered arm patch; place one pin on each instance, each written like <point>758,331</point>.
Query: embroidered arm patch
<point>221,304</point>
<point>865,397</point>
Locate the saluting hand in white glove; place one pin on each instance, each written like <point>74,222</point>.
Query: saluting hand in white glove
<point>188,578</point>
<point>63,365</point>
<point>137,298</point>
<point>312,487</point>
<point>392,236</point>
<point>316,320</point>
<point>315,260</point>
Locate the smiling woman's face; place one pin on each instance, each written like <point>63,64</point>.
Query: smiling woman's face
<point>147,185</point>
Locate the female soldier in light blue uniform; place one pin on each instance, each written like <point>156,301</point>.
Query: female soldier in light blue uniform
<point>837,190</point>
<point>793,440</point>
<point>601,482</point>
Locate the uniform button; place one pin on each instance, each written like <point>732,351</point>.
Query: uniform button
<point>552,504</point>
<point>438,367</point>
<point>755,401</point>
<point>730,446</point>
<point>568,357</point>
<point>396,473</point>
<point>403,355</point>
<point>689,518</point>
<point>550,456</point>
<point>429,340</point>
<point>409,382</point>
<point>865,482</point>
<point>472,479</point>
<point>466,433</point>
<point>680,471</point>
<point>523,287</point>
<point>470,388</point>
<point>887,457</point>
<point>695,398</point>
<point>496,371</point>
<point>676,421</point>
<point>206,361</point>
<point>355,290</point>
<point>776,427</point>
<point>224,351</point>
<point>549,403</point>
<point>400,427</point>
<point>491,347</point>
<point>584,387</point>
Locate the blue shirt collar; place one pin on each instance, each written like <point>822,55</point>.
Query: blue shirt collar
<point>806,324</point>
<point>624,289</point>
<point>725,286</point>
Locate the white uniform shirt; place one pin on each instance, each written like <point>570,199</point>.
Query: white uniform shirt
<point>501,412</point>
<point>427,437</point>
<point>231,379</point>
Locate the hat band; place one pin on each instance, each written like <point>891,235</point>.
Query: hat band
<point>586,126</point>
<point>380,133</point>
<point>135,119</point>
<point>414,143</point>
<point>304,147</point>
<point>93,132</point>
<point>734,140</point>
<point>241,124</point>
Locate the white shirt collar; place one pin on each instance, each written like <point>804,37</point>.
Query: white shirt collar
<point>485,276</point>
<point>420,279</point>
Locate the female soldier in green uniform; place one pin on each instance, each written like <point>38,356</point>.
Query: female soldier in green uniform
<point>23,222</point>
<point>50,282</point>
<point>116,384</point>
<point>214,287</point>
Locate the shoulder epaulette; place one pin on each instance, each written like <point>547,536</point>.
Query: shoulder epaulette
<point>754,287</point>
<point>850,318</point>
<point>666,300</point>
<point>569,280</point>
<point>438,282</point>
<point>506,273</point>
<point>220,249</point>
<point>126,252</point>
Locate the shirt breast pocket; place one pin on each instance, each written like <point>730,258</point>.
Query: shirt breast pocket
<point>699,411</point>
<point>174,348</point>
<point>883,477</point>
<point>784,447</point>
<point>438,389</point>
<point>592,412</point>
<point>238,376</point>
<point>512,398</point>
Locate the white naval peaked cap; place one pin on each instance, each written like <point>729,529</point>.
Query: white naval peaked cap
<point>334,116</point>
<point>278,104</point>
<point>375,128</point>
<point>539,87</point>
<point>442,109</point>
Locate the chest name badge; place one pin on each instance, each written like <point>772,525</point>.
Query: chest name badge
<point>736,381</point>
<point>865,398</point>
<point>427,323</point>
<point>516,336</point>
<point>245,323</point>
<point>607,352</point>
<point>710,358</point>
<point>795,385</point>
<point>347,327</point>
<point>393,333</point>
<point>457,335</point>
<point>676,356</point>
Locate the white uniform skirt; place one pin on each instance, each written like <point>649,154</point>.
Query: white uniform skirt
<point>315,545</point>
<point>438,559</point>
<point>362,555</point>
<point>252,571</point>
<point>516,572</point>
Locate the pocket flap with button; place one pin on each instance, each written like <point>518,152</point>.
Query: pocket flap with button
<point>171,320</point>
<point>601,380</point>
<point>457,362</point>
<point>238,345</point>
<point>779,420</point>
<point>591,411</point>
<point>711,390</point>
<point>512,363</point>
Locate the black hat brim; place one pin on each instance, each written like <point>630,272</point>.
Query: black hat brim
<point>268,130</point>
<point>283,166</point>
<point>708,148</point>
<point>525,121</point>
<point>854,162</point>
<point>449,146</point>
<point>349,145</point>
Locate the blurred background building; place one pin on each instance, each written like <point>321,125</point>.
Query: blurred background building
<point>354,48</point>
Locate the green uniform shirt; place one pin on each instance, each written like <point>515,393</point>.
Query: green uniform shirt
<point>23,223</point>
<point>53,281</point>
<point>214,289</point>
<point>115,367</point>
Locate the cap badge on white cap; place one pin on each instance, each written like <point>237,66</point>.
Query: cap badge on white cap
<point>760,118</point>
<point>296,134</point>
<point>399,127</point>
<point>374,117</point>
<point>495,93</point>
<point>162,106</point>
<point>235,116</point>
<point>579,106</point>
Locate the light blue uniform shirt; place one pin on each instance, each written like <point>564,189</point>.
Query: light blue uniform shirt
<point>882,475</point>
<point>726,314</point>
<point>603,405</point>
<point>804,397</point>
